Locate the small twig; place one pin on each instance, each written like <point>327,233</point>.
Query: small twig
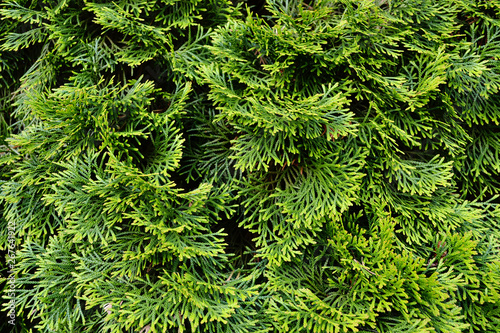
<point>145,329</point>
<point>230,276</point>
<point>364,267</point>
<point>12,149</point>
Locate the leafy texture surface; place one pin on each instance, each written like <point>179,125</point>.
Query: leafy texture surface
<point>250,166</point>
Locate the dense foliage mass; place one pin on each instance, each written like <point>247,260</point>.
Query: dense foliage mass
<point>228,166</point>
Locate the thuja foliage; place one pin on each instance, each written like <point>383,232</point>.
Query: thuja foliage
<point>267,166</point>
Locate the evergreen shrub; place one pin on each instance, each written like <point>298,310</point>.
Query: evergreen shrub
<point>242,167</point>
